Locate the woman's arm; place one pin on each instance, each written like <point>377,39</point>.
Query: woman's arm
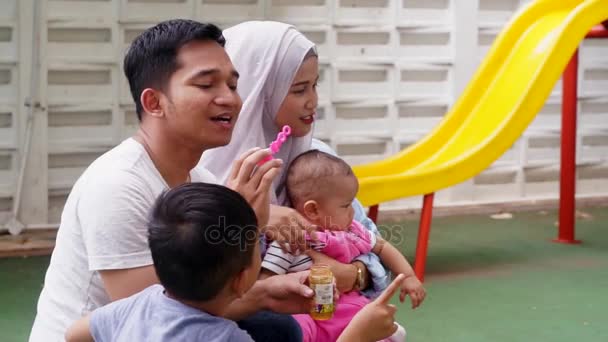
<point>345,274</point>
<point>378,277</point>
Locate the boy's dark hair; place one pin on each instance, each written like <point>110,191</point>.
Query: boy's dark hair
<point>151,59</point>
<point>311,171</point>
<point>200,236</point>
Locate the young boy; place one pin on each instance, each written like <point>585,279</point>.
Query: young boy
<point>204,244</point>
<point>322,188</point>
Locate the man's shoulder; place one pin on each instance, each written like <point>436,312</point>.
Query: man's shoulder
<point>125,164</point>
<point>127,155</point>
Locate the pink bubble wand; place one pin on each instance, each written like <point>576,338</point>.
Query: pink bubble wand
<point>276,145</point>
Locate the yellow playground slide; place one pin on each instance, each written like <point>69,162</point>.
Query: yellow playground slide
<point>507,91</point>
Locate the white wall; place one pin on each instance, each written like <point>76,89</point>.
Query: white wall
<point>390,69</point>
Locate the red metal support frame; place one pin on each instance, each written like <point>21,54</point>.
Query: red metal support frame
<point>567,181</point>
<point>424,231</point>
<point>373,213</point>
<point>568,167</point>
<point>567,184</point>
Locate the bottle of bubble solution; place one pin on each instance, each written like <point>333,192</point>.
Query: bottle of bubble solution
<point>322,283</point>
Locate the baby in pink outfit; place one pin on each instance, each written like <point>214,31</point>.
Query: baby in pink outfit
<point>322,187</point>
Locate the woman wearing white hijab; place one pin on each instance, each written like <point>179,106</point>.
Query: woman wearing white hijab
<point>267,56</point>
<point>278,69</point>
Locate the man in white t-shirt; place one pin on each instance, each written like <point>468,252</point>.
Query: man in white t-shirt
<point>184,87</point>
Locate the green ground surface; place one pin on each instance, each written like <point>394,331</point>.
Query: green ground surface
<point>487,280</point>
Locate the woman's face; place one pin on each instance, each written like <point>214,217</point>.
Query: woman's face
<point>299,106</point>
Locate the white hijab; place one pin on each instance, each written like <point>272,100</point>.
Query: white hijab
<point>267,56</point>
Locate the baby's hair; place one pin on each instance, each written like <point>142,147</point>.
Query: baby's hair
<point>311,173</point>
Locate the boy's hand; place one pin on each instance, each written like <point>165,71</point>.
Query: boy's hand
<point>254,183</point>
<point>376,320</point>
<point>413,287</point>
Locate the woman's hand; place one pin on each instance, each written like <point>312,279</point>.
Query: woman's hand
<point>345,274</point>
<point>287,227</point>
<point>254,183</point>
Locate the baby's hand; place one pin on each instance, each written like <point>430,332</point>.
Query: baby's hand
<point>413,287</point>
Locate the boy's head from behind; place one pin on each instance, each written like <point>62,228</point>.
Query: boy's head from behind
<point>204,242</point>
<point>322,188</point>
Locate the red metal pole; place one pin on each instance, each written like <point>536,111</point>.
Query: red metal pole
<point>373,213</point>
<point>568,153</point>
<point>599,31</point>
<point>423,235</point>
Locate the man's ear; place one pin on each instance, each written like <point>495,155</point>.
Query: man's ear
<point>311,210</point>
<point>238,283</point>
<point>151,102</point>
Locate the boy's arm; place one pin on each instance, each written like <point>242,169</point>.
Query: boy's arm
<point>396,262</point>
<point>80,331</point>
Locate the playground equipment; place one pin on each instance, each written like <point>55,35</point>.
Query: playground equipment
<point>503,97</point>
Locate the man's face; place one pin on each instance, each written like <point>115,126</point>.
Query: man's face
<point>202,104</point>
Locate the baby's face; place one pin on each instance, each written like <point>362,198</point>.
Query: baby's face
<point>336,210</point>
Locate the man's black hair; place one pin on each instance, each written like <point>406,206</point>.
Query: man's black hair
<point>200,236</point>
<point>152,56</point>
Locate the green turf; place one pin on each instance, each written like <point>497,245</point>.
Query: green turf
<point>487,280</point>
<point>491,280</point>
<point>20,284</point>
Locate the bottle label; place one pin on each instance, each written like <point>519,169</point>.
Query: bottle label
<point>324,294</point>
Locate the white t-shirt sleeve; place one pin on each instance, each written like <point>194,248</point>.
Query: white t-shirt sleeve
<point>113,215</point>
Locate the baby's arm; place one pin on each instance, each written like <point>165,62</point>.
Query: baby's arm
<point>80,331</point>
<point>396,262</point>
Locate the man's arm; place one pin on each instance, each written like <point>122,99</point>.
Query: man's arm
<point>80,331</point>
<point>124,283</point>
<point>113,214</point>
<point>281,293</point>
